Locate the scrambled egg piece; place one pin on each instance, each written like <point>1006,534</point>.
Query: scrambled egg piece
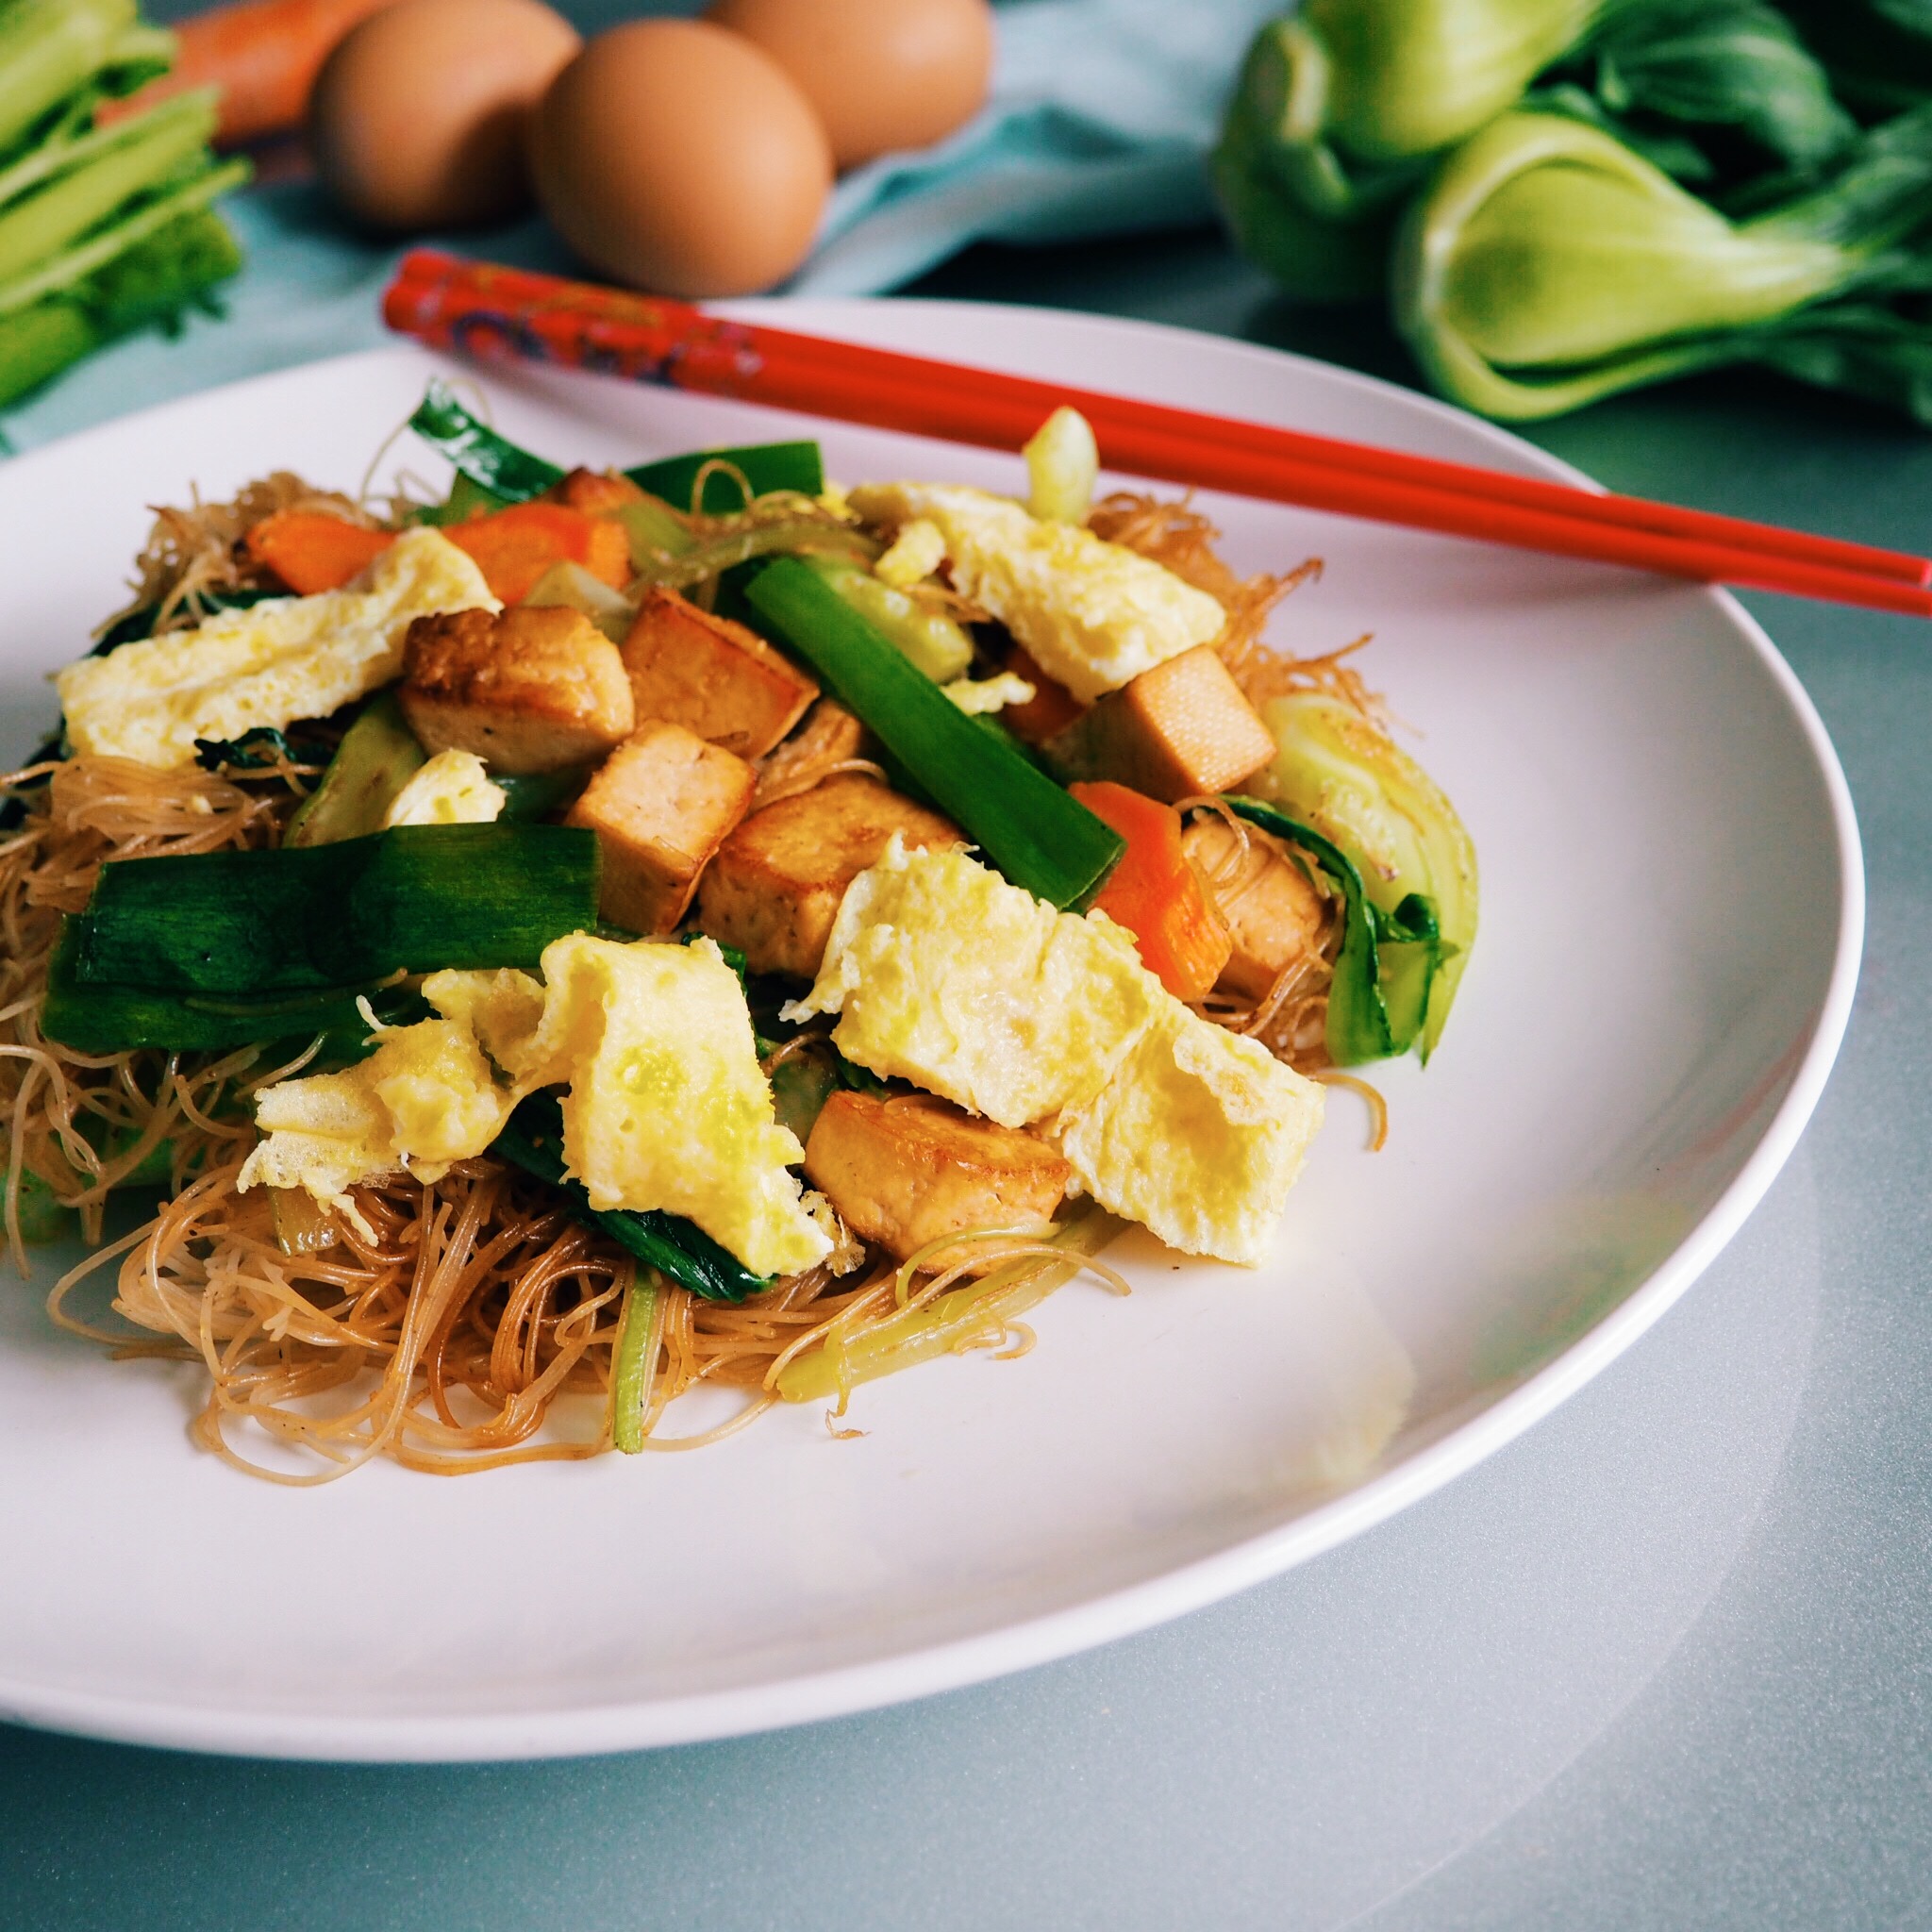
<point>1199,1135</point>
<point>425,1097</point>
<point>916,552</point>
<point>1091,614</point>
<point>451,789</point>
<point>981,696</point>
<point>668,1106</point>
<point>276,662</point>
<point>945,975</point>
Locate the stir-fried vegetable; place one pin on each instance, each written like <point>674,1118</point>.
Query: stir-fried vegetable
<point>118,1019</point>
<point>971,1312</point>
<point>377,757</point>
<point>515,547</point>
<point>765,466</point>
<point>1154,892</point>
<point>1388,964</point>
<point>312,551</point>
<point>1036,835</point>
<point>668,1242</point>
<point>311,918</point>
<point>936,642</point>
<point>490,461</point>
<point>1550,265</point>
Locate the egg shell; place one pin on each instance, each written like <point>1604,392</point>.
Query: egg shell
<point>882,74</point>
<point>675,156</point>
<point>418,116</point>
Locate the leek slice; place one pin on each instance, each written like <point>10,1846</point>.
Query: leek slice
<point>321,917</point>
<point>1030,829</point>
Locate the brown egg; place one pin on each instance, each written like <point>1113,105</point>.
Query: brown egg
<point>418,117</point>
<point>677,158</point>
<point>883,74</point>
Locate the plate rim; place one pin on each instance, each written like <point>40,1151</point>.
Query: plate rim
<point>929,1669</point>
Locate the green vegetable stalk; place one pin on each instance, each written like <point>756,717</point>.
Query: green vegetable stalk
<point>102,228</point>
<point>1342,111</point>
<point>1339,110</point>
<point>1549,265</point>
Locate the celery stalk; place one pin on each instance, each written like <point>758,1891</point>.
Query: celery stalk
<point>50,49</point>
<point>150,150</point>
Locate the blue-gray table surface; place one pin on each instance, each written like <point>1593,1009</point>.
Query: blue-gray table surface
<point>1664,1662</point>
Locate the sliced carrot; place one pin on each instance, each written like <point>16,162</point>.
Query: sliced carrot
<point>1154,892</point>
<point>312,551</point>
<point>514,547</point>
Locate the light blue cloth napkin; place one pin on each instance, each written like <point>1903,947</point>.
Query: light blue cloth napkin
<point>1101,115</point>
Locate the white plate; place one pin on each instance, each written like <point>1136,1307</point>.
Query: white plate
<point>1671,918</point>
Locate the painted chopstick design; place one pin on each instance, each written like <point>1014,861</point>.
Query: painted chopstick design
<point>494,312</point>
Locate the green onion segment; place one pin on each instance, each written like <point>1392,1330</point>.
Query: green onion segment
<point>1032,831</point>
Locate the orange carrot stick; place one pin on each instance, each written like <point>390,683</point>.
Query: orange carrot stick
<point>1155,894</point>
<point>312,551</point>
<point>514,547</point>
<point>263,54</point>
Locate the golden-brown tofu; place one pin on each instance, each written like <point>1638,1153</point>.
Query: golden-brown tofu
<point>660,805</point>
<point>912,1170</point>
<point>830,735</point>
<point>597,492</point>
<point>774,887</point>
<point>1272,912</point>
<point>525,689</point>
<point>711,675</point>
<point>1182,728</point>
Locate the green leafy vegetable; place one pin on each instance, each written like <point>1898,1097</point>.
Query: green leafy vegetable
<point>765,466</point>
<point>1387,964</point>
<point>1028,827</point>
<point>1549,265</point>
<point>491,461</point>
<point>534,1141</point>
<point>318,918</point>
<point>260,749</point>
<point>1337,773</point>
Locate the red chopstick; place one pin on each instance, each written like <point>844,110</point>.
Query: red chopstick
<point>498,312</point>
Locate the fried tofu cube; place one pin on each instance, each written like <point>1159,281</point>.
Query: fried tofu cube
<point>660,805</point>
<point>711,675</point>
<point>774,889</point>
<point>828,736</point>
<point>597,492</point>
<point>1177,730</point>
<point>906,1172</point>
<point>529,689</point>
<point>1272,910</point>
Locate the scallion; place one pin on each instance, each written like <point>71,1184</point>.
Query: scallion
<point>1036,835</point>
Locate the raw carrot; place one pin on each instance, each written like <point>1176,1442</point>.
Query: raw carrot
<point>1154,892</point>
<point>514,547</point>
<point>312,551</point>
<point>263,54</point>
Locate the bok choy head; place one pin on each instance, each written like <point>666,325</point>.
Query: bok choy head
<point>1550,265</point>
